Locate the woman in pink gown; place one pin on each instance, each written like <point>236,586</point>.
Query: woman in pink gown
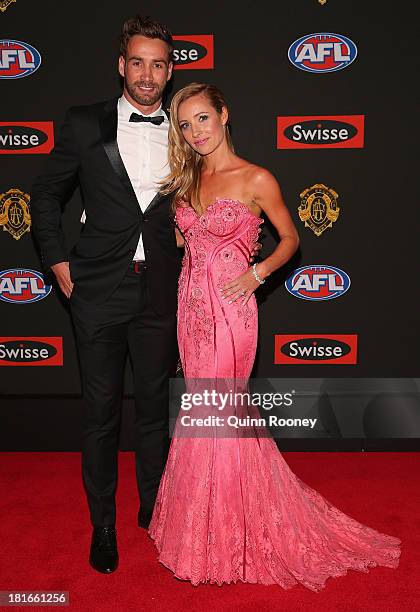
<point>229,508</point>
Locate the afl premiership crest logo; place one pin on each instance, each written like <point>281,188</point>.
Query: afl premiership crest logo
<point>318,208</point>
<point>14,212</point>
<point>4,4</point>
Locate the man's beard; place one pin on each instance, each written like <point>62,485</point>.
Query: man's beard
<point>145,99</point>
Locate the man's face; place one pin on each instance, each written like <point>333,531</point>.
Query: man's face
<point>146,69</point>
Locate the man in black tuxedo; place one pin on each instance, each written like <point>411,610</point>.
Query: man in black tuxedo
<point>121,276</point>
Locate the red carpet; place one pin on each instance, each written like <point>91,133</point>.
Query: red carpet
<point>45,537</point>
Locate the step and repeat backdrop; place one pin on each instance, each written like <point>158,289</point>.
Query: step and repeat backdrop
<point>322,93</point>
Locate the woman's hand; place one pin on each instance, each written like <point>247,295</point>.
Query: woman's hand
<point>242,287</point>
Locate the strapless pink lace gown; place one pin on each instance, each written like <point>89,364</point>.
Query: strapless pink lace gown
<point>230,509</point>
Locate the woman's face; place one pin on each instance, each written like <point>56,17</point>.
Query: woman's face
<point>201,125</point>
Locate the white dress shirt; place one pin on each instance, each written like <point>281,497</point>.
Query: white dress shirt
<point>144,150</point>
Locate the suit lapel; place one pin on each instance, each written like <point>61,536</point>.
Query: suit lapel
<point>153,203</point>
<point>108,124</point>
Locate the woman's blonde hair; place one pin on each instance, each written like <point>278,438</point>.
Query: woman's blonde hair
<point>185,163</point>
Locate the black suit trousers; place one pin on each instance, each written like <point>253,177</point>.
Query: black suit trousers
<point>105,332</point>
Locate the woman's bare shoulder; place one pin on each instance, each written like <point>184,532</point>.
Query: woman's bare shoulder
<point>254,172</point>
<point>261,175</point>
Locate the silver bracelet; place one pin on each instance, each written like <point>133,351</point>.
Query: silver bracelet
<point>256,275</point>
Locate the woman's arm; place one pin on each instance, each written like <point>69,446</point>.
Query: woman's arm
<point>267,196</point>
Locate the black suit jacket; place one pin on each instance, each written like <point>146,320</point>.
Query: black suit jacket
<point>87,155</point>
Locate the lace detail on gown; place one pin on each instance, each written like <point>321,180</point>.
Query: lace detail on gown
<point>231,509</point>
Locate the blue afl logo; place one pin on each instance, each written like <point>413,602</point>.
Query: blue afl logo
<point>318,283</point>
<point>18,59</point>
<point>322,52</point>
<point>22,286</point>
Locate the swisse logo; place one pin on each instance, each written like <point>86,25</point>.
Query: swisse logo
<point>194,52</point>
<point>23,137</point>
<point>36,351</point>
<point>21,286</point>
<point>328,349</point>
<point>18,59</point>
<point>318,283</point>
<point>321,132</point>
<point>322,52</point>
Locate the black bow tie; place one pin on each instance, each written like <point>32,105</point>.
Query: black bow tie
<point>156,120</point>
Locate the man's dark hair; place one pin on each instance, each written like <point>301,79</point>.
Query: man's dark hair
<point>145,26</point>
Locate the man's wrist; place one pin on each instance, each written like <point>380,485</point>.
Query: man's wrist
<point>58,265</point>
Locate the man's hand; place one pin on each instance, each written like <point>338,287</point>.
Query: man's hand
<point>62,274</point>
<point>180,242</point>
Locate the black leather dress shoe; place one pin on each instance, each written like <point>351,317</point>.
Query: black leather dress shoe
<point>103,550</point>
<point>144,518</point>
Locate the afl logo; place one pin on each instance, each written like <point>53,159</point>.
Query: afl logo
<point>322,52</point>
<point>318,283</point>
<point>21,286</point>
<point>194,52</point>
<point>18,59</point>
